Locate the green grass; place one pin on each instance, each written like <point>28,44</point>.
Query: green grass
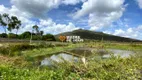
<point>21,67</point>
<point>46,51</point>
<point>116,45</point>
<point>114,68</point>
<point>125,46</point>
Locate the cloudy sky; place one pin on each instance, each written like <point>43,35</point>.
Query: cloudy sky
<point>117,17</point>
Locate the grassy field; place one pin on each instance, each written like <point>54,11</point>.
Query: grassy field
<point>19,61</point>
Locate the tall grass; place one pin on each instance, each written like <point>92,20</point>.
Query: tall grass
<point>16,49</point>
<point>115,68</point>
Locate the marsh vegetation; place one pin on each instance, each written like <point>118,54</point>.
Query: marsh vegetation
<point>24,61</point>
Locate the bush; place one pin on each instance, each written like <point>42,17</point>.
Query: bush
<point>110,69</point>
<point>11,35</point>
<point>48,37</point>
<point>36,37</point>
<point>4,51</point>
<point>3,35</point>
<point>25,35</point>
<point>21,47</point>
<point>15,49</point>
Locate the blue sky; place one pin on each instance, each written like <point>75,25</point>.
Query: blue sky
<point>117,17</point>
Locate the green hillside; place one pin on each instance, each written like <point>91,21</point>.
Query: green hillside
<point>92,35</point>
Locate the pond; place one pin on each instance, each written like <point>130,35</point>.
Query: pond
<point>101,53</point>
<point>61,57</point>
<point>117,52</point>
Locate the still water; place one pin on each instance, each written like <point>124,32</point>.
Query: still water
<point>61,57</point>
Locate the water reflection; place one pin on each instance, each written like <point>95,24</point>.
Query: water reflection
<point>61,57</point>
<point>116,52</point>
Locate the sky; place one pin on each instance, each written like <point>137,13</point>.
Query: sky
<point>116,17</point>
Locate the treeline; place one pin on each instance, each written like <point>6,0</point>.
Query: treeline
<point>10,23</point>
<point>27,36</point>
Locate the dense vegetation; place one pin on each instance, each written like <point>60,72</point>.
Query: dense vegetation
<point>26,67</point>
<point>111,69</point>
<point>27,36</point>
<point>10,23</point>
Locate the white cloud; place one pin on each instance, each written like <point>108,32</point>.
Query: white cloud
<point>36,8</point>
<point>72,2</point>
<point>26,9</point>
<point>98,21</point>
<point>139,27</point>
<point>23,16</point>
<point>51,27</point>
<point>107,32</point>
<point>2,9</point>
<point>139,3</point>
<point>129,32</point>
<point>100,6</point>
<point>48,26</point>
<point>101,12</point>
<point>13,11</point>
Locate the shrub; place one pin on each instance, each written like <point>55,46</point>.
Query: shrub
<point>4,51</point>
<point>16,49</point>
<point>3,35</point>
<point>25,35</point>
<point>115,68</point>
<point>11,35</point>
<point>48,37</point>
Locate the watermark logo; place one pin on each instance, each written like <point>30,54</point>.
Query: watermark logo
<point>70,39</point>
<point>62,38</point>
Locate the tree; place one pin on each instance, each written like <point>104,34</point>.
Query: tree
<point>18,26</point>
<point>36,28</point>
<point>4,21</point>
<point>9,23</point>
<point>41,33</point>
<point>12,35</point>
<point>31,36</point>
<point>48,37</point>
<point>14,24</point>
<point>3,35</point>
<point>25,35</point>
<point>0,17</point>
